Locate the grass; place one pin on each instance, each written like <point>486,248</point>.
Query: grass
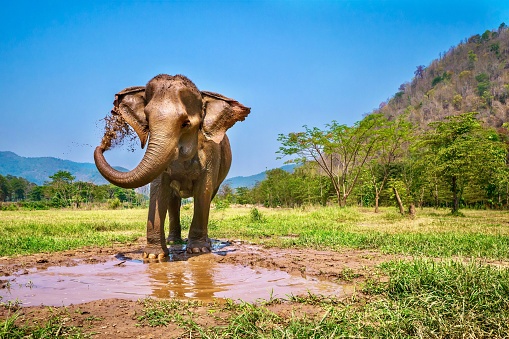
<point>433,233</point>
<point>27,232</point>
<point>13,327</point>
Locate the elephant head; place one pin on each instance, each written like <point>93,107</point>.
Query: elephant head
<point>175,117</point>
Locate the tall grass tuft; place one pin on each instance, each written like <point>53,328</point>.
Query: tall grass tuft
<point>442,299</point>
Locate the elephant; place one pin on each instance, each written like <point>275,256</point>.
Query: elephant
<point>188,154</point>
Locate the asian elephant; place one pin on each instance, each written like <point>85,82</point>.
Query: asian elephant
<point>188,154</point>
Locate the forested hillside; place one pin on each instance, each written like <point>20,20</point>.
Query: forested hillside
<point>470,77</point>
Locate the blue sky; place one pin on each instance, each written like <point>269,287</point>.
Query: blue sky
<point>293,62</point>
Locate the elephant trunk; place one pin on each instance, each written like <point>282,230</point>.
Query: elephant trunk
<point>162,148</point>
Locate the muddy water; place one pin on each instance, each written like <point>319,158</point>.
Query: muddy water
<point>200,277</point>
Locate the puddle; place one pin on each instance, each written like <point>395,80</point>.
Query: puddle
<point>198,277</point>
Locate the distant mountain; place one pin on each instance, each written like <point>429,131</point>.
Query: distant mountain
<point>38,170</point>
<point>250,181</point>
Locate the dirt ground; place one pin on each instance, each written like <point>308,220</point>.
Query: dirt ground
<point>119,318</point>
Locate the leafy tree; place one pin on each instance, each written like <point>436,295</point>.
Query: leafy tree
<point>14,188</point>
<point>393,138</point>
<point>463,153</point>
<point>224,196</point>
<point>340,151</point>
<point>284,189</point>
<point>486,36</point>
<point>61,188</point>
<point>5,189</point>
<point>38,193</point>
<point>243,195</point>
<point>483,83</point>
<point>472,59</point>
<point>19,187</point>
<point>278,189</point>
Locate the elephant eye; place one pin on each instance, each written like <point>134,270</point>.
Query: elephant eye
<point>186,123</point>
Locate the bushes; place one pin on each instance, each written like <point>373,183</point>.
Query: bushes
<point>24,205</point>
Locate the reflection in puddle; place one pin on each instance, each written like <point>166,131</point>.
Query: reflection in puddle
<point>199,277</point>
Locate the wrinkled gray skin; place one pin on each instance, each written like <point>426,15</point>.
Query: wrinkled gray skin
<point>188,154</point>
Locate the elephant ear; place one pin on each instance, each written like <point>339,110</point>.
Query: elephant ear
<point>130,105</point>
<point>220,113</point>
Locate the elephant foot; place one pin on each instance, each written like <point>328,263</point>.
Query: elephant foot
<point>151,252</point>
<point>198,246</point>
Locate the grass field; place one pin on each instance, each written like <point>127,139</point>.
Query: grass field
<point>483,234</point>
<point>453,297</point>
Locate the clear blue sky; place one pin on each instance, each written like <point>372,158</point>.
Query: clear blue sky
<point>292,62</point>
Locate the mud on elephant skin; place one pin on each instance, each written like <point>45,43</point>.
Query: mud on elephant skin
<point>188,153</point>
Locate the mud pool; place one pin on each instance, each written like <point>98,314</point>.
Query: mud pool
<point>197,277</point>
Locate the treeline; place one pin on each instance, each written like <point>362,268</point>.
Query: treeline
<point>457,162</point>
<point>63,191</point>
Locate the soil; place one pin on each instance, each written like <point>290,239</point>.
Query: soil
<point>106,318</point>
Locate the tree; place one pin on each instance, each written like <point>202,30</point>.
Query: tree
<point>278,189</point>
<point>38,193</point>
<point>419,72</point>
<point>20,188</point>
<point>340,151</point>
<point>5,189</point>
<point>14,188</point>
<point>393,138</point>
<point>61,188</point>
<point>243,196</point>
<point>463,152</point>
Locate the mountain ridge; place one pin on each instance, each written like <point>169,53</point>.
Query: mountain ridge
<point>251,180</point>
<point>38,170</point>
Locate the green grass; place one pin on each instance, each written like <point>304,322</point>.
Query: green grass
<point>432,233</point>
<point>54,327</point>
<point>27,232</point>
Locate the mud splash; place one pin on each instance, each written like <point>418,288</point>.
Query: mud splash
<point>116,131</point>
<point>199,277</point>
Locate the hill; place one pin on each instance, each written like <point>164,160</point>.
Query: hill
<point>470,77</point>
<point>38,170</point>
<point>250,181</point>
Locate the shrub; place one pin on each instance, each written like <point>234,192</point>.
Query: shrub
<point>256,215</point>
<point>114,203</point>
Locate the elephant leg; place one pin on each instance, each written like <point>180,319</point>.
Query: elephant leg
<point>175,235</point>
<point>159,200</point>
<point>198,241</point>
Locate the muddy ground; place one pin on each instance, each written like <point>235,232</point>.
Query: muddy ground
<point>107,318</point>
